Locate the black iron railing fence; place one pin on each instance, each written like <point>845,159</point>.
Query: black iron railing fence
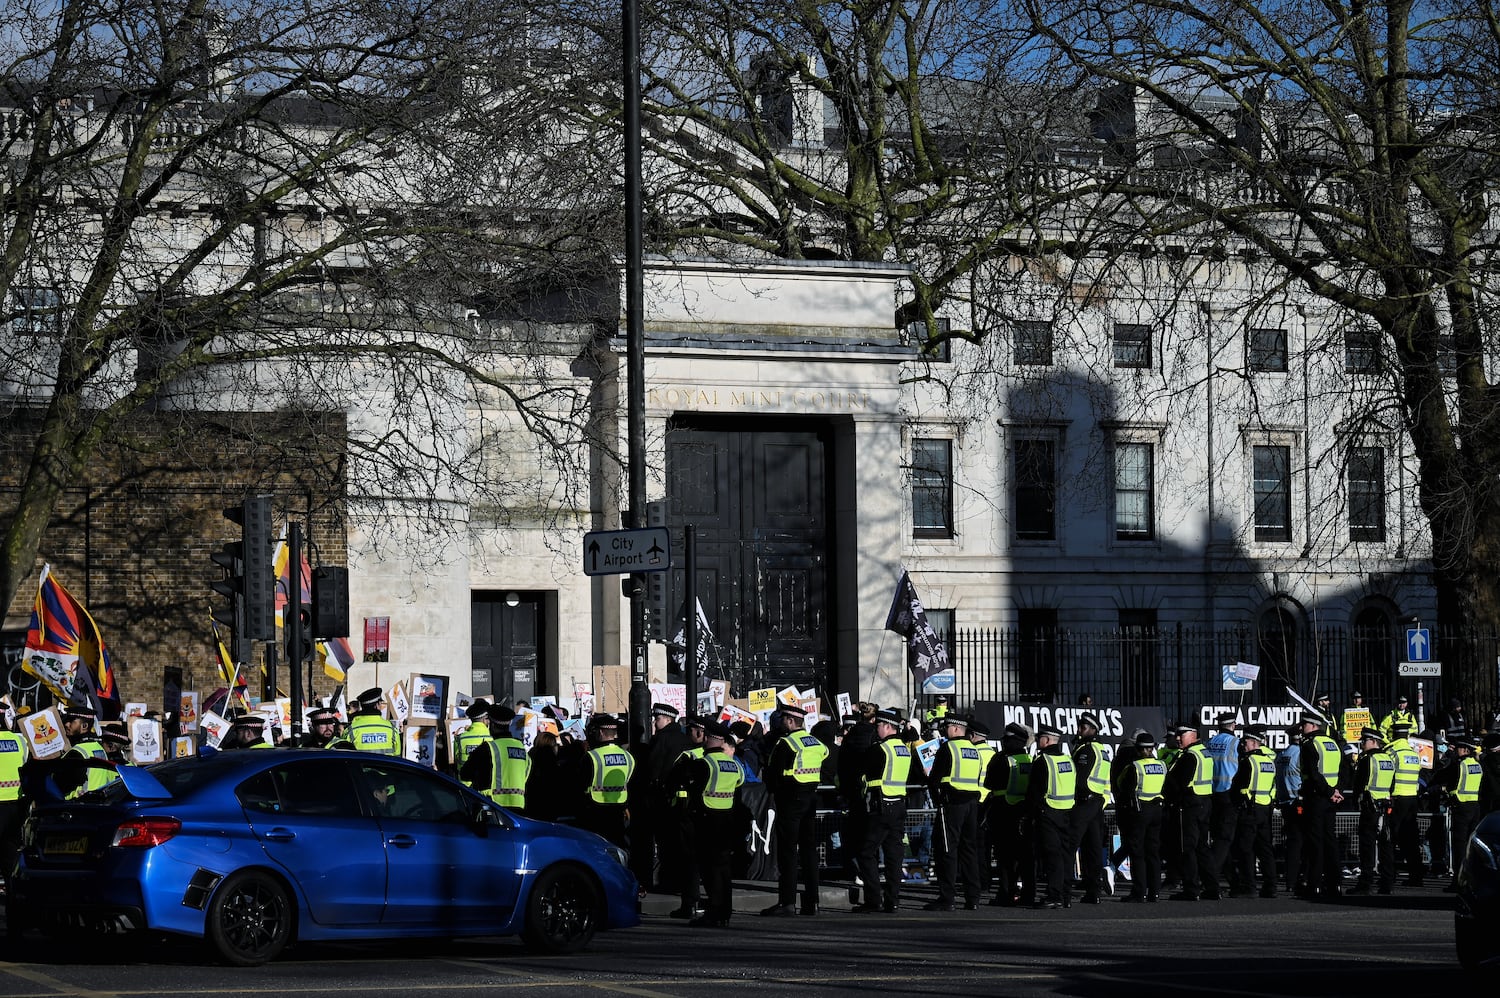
<point>1180,668</point>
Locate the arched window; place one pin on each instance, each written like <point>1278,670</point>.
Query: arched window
<point>1372,646</point>
<point>1276,641</point>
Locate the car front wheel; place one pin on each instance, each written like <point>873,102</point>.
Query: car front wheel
<point>563,911</point>
<point>250,919</point>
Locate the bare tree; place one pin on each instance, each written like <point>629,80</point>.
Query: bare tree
<point>338,207</point>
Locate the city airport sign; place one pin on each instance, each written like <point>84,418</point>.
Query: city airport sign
<point>625,552</point>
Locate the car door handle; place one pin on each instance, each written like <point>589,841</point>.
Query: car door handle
<point>280,834</point>
<point>403,841</point>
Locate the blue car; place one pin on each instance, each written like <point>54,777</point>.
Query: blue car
<point>254,850</point>
<point>1476,917</point>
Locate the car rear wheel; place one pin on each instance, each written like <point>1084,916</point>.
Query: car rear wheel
<point>250,919</point>
<point>563,911</point>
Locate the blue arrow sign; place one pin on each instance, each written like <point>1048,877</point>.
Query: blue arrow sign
<point>1418,645</point>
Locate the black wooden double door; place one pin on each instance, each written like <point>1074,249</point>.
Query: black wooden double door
<point>760,505</point>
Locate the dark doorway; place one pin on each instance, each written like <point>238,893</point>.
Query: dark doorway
<point>759,502</point>
<point>507,644</point>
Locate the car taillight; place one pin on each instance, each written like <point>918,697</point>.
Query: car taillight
<point>143,833</point>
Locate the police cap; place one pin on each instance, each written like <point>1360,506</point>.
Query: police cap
<point>1089,718</point>
<point>791,710</point>
<point>979,728</point>
<point>695,721</point>
<point>1014,730</point>
<point>1257,732</point>
<point>1226,720</point>
<point>370,697</point>
<point>958,719</point>
<point>1183,729</point>
<point>1049,731</point>
<point>1145,740</point>
<point>889,716</point>
<point>713,729</point>
<point>1366,734</point>
<point>664,710</point>
<point>320,715</point>
<point>479,708</point>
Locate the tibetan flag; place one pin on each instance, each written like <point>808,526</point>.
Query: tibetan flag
<point>63,636</point>
<point>229,670</point>
<point>335,655</point>
<point>928,658</point>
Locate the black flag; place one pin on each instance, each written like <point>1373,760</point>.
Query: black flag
<point>908,619</point>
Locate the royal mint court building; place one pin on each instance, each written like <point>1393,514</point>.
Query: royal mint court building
<point>1143,473</point>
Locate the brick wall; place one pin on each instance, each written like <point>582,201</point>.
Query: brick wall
<point>133,538</point>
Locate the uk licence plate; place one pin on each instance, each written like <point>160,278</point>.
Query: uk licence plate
<point>65,845</point>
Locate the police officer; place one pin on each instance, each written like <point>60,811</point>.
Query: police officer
<point>86,746</point>
<point>1007,777</point>
<point>1092,794</point>
<point>606,769</point>
<point>859,738</point>
<point>247,730</point>
<point>14,753</point>
<point>1049,798</point>
<point>653,840</point>
<point>794,767</point>
<point>680,816</point>
<point>474,737</point>
<point>1404,802</point>
<point>887,768</point>
<point>369,730</point>
<point>712,783</point>
<point>1401,715</point>
<point>1190,783</point>
<point>501,767</point>
<point>1321,763</point>
<point>1375,776</point>
<point>979,734</point>
<point>954,784</point>
<point>1460,782</point>
<point>322,723</point>
<point>1255,785</point>
<point>1138,801</point>
<point>1224,803</point>
<point>1489,766</point>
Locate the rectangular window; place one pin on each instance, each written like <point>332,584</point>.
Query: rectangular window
<point>1265,350</point>
<point>1366,494</point>
<point>36,312</point>
<point>1033,344</point>
<point>1447,358</point>
<point>1273,493</point>
<point>1361,350</point>
<point>1036,634</point>
<point>932,348</point>
<point>1035,490</point>
<point>1134,500</point>
<point>1132,345</point>
<point>932,487</point>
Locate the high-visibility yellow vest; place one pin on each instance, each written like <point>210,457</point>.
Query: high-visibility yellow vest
<point>1018,777</point>
<point>724,777</point>
<point>1262,785</point>
<point>1329,759</point>
<point>1467,790</point>
<point>987,754</point>
<point>1062,781</point>
<point>807,759</point>
<point>1150,779</point>
<point>965,769</point>
<point>696,752</point>
<point>613,767</point>
<point>373,733</point>
<point>1408,768</point>
<point>1382,775</point>
<point>13,754</point>
<point>897,768</point>
<point>1203,770</point>
<point>509,768</point>
<point>95,779</point>
<point>1097,779</point>
<point>470,740</point>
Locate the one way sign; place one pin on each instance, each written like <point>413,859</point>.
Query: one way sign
<point>624,552</point>
<point>1418,645</point>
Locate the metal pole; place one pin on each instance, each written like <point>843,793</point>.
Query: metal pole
<point>294,626</point>
<point>635,353</point>
<point>690,602</point>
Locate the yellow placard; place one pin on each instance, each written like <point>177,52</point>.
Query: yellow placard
<point>762,700</point>
<point>1356,719</point>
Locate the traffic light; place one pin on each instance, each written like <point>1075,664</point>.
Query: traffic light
<point>258,576</point>
<point>304,623</point>
<point>657,620</point>
<point>231,585</point>
<point>330,602</point>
